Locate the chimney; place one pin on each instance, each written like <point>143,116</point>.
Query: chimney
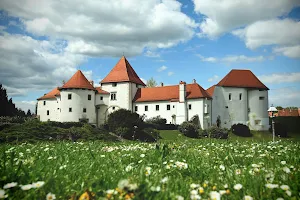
<point>92,82</point>
<point>161,84</point>
<point>182,91</point>
<point>194,81</point>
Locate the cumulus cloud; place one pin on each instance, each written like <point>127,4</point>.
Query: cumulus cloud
<point>106,28</point>
<point>232,59</point>
<point>289,51</point>
<point>25,105</point>
<point>285,97</point>
<point>170,73</point>
<point>226,15</point>
<point>152,54</point>
<point>162,68</point>
<point>215,78</point>
<point>281,78</point>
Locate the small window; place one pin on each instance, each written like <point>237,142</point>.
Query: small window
<point>70,109</point>
<point>89,97</point>
<point>240,96</point>
<point>173,106</point>
<point>113,96</point>
<point>168,107</point>
<point>114,84</point>
<point>261,98</point>
<point>48,112</point>
<point>113,108</point>
<point>226,106</point>
<point>57,108</point>
<point>44,103</point>
<point>146,108</point>
<point>69,96</point>
<point>136,108</point>
<point>229,96</point>
<point>190,106</point>
<point>101,98</point>
<point>84,110</point>
<point>157,107</point>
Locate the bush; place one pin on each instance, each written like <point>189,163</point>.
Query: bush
<point>156,120</point>
<point>215,132</point>
<point>280,130</point>
<point>241,130</point>
<point>148,135</point>
<point>124,132</point>
<point>189,129</point>
<point>195,120</point>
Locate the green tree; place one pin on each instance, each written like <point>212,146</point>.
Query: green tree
<point>151,82</point>
<point>279,107</point>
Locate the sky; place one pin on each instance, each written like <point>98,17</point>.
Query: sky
<point>43,42</point>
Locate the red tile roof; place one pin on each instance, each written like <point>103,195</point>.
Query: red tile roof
<point>100,91</point>
<point>51,95</point>
<point>78,80</point>
<point>211,90</point>
<point>288,112</point>
<point>241,78</point>
<point>122,72</point>
<point>169,93</point>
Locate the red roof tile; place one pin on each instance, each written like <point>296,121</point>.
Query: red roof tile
<point>100,91</point>
<point>78,80</point>
<point>122,72</point>
<point>241,78</point>
<point>288,112</point>
<point>211,90</point>
<point>169,93</point>
<point>51,95</point>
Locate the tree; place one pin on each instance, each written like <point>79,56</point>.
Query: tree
<point>151,82</point>
<point>279,107</point>
<point>28,114</point>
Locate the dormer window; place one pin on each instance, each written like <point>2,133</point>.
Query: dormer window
<point>114,84</point>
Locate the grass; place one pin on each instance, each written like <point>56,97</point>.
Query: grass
<point>153,171</point>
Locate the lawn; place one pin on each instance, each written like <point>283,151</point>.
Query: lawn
<point>171,169</point>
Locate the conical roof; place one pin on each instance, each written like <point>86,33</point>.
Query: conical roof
<point>241,78</point>
<point>51,95</point>
<point>122,72</point>
<point>78,80</point>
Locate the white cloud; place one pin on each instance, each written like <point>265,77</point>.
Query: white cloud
<point>152,54</point>
<point>162,68</point>
<point>215,78</point>
<point>232,59</point>
<point>271,32</point>
<point>291,51</point>
<point>281,78</point>
<point>227,15</point>
<point>106,28</point>
<point>285,97</point>
<point>170,73</point>
<point>25,105</point>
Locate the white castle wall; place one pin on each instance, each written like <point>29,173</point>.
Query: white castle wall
<point>77,103</point>
<point>51,105</point>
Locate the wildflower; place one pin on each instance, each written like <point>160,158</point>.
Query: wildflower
<point>155,189</point>
<point>165,162</point>
<point>123,184</point>
<point>214,187</point>
<point>178,197</point>
<point>285,187</point>
<point>247,197</point>
<point>38,184</point>
<point>148,171</point>
<point>164,180</point>
<point>271,186</point>
<point>142,155</point>
<point>215,195</point>
<point>194,192</point>
<point>269,177</point>
<point>238,186</point>
<point>286,170</point>
<point>226,186</point>
<point>46,149</point>
<point>128,168</point>
<point>283,162</point>
<point>140,161</point>
<point>50,196</point>
<point>289,193</point>
<point>102,156</point>
<point>26,187</point>
<point>63,166</point>
<point>222,192</point>
<point>201,190</point>
<point>222,167</point>
<point>2,194</point>
<point>238,171</point>
<point>280,198</point>
<point>194,186</point>
<point>10,185</point>
<point>227,191</point>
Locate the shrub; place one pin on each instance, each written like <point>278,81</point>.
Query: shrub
<point>124,132</point>
<point>195,120</point>
<point>156,120</point>
<point>215,132</point>
<point>280,130</point>
<point>241,130</point>
<point>189,129</point>
<point>148,135</point>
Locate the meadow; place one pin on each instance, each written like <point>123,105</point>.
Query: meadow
<point>179,169</point>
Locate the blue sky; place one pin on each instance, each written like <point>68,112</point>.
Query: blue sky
<point>45,42</point>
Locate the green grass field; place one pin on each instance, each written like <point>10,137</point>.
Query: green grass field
<point>174,168</point>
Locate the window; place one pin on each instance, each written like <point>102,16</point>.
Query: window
<point>113,96</point>
<point>190,106</point>
<point>114,84</point>
<point>70,109</point>
<point>89,97</point>
<point>157,107</point>
<point>57,108</point>
<point>113,108</point>
<point>261,98</point>
<point>229,97</point>
<point>173,106</point>
<point>48,112</point>
<point>146,108</point>
<point>226,106</point>
<point>136,108</point>
<point>69,96</point>
<point>240,96</point>
<point>44,103</point>
<point>168,107</point>
<point>101,98</point>
<point>84,110</point>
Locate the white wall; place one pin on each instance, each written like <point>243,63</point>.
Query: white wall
<point>77,103</point>
<point>51,105</point>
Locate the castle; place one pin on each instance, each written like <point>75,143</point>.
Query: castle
<point>238,98</point>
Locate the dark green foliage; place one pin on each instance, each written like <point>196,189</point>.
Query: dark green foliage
<point>195,120</point>
<point>124,132</point>
<point>156,120</point>
<point>215,132</point>
<point>218,121</point>
<point>241,130</point>
<point>280,130</point>
<point>189,129</point>
<point>292,123</point>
